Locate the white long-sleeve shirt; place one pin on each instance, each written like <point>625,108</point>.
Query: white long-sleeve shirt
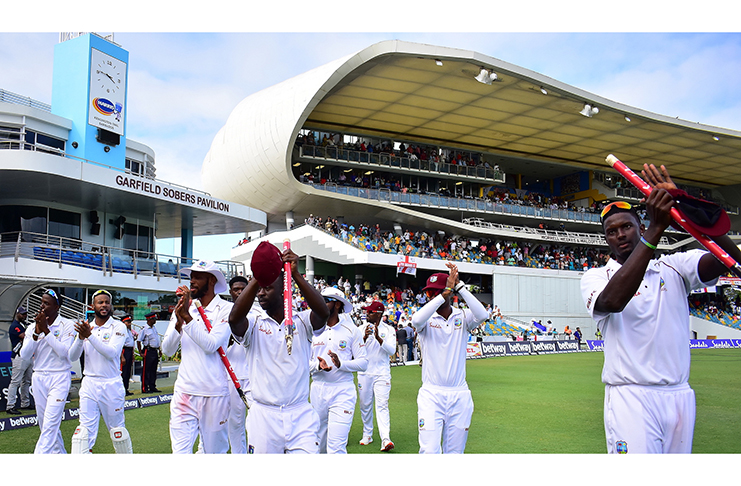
<point>443,341</point>
<point>201,370</point>
<point>345,341</point>
<point>378,354</point>
<point>51,351</point>
<point>102,349</point>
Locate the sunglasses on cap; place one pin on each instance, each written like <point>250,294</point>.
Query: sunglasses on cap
<point>330,299</point>
<point>617,205</point>
<point>53,294</point>
<point>102,292</point>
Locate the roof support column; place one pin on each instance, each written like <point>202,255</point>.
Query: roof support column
<point>186,243</point>
<point>310,269</point>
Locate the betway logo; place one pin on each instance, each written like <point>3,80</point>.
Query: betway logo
<point>23,421</point>
<point>517,347</point>
<point>568,345</point>
<point>148,401</point>
<point>493,348</point>
<point>543,347</point>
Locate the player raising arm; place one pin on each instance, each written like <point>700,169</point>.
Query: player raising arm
<point>281,418</point>
<point>640,306</point>
<point>444,401</point>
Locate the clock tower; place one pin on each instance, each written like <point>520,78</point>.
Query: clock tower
<point>90,88</point>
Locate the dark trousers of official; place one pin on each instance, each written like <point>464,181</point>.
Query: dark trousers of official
<point>149,371</point>
<point>128,355</point>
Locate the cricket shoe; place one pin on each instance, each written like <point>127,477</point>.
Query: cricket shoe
<point>366,440</point>
<point>386,445</point>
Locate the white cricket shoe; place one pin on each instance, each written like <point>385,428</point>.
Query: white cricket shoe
<point>366,440</point>
<point>386,445</point>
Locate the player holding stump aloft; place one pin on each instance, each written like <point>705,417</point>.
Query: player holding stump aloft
<point>281,418</point>
<point>374,384</point>
<point>444,403</point>
<point>200,402</point>
<point>640,305</point>
<point>48,346</point>
<point>102,391</point>
<point>337,352</point>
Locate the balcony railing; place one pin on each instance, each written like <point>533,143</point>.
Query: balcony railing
<point>107,259</point>
<point>371,159</point>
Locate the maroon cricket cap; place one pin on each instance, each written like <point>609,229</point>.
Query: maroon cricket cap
<point>436,281</point>
<point>266,263</point>
<point>375,306</point>
<point>706,217</point>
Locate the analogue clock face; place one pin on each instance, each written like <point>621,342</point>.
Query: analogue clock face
<point>109,75</point>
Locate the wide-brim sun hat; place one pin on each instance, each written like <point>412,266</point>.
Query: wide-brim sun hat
<point>337,294</point>
<point>207,266</point>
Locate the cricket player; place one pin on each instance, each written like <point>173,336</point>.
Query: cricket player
<point>281,418</point>
<point>444,403</point>
<point>337,352</point>
<point>102,392</point>
<point>237,355</point>
<point>640,305</point>
<point>374,384</point>
<point>200,402</point>
<point>48,346</point>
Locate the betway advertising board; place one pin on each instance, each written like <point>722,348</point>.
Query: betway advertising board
<point>519,348</point>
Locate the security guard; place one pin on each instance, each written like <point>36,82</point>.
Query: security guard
<point>127,355</point>
<point>150,341</point>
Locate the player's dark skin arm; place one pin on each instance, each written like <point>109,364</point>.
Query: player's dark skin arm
<point>238,321</point>
<point>319,310</point>
<point>622,229</point>
<point>709,268</point>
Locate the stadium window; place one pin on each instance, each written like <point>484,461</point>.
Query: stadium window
<point>64,223</point>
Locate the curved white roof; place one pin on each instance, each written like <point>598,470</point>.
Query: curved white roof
<point>395,90</point>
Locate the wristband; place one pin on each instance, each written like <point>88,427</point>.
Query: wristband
<point>447,288</point>
<point>643,240</point>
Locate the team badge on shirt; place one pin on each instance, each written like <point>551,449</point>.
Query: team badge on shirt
<point>661,285</point>
<point>56,333</point>
<point>343,344</point>
<point>106,336</point>
<point>421,423</point>
<point>458,322</point>
<point>621,446</point>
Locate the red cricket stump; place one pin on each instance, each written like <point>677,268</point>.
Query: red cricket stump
<point>711,246</point>
<point>222,353</point>
<point>288,299</point>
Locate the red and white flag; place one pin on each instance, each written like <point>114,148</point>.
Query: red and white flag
<point>407,266</point>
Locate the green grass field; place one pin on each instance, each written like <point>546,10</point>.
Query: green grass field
<point>530,404</point>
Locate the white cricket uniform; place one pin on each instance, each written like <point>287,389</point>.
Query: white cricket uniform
<point>281,418</point>
<point>51,380</point>
<point>444,403</point>
<point>649,405</point>
<point>102,391</point>
<point>237,355</point>
<point>200,402</point>
<point>375,381</point>
<point>333,393</point>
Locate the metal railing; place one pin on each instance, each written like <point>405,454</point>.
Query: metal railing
<point>459,203</point>
<point>107,259</point>
<point>70,309</point>
<point>16,99</point>
<point>371,159</point>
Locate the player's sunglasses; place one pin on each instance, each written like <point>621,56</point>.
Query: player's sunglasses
<point>53,294</point>
<point>329,299</point>
<point>617,204</point>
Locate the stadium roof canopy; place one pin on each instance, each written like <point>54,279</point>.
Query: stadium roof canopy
<point>421,93</point>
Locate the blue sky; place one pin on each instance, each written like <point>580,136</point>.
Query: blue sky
<point>183,86</point>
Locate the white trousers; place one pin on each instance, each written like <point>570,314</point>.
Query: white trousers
<point>283,430</point>
<point>238,418</point>
<point>101,397</point>
<point>20,378</point>
<point>649,419</point>
<point>376,387</point>
<point>191,415</point>
<point>50,391</point>
<point>443,414</point>
<point>335,405</point>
